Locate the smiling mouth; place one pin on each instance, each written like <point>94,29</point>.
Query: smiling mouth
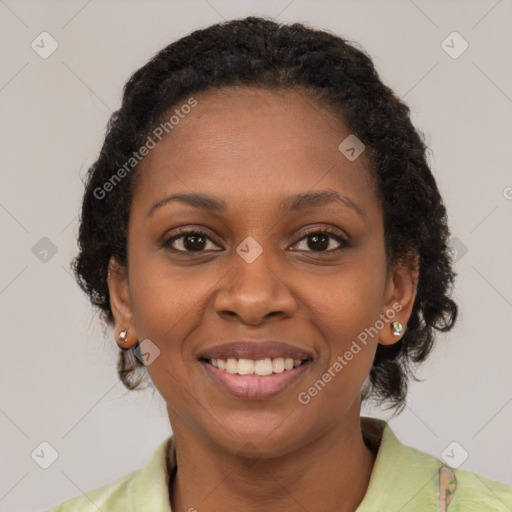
<point>256,370</point>
<point>256,367</point>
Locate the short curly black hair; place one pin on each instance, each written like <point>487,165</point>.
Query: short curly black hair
<point>259,52</point>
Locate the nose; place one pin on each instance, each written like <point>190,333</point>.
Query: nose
<point>253,291</point>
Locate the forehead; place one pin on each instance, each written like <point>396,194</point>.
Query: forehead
<point>248,144</point>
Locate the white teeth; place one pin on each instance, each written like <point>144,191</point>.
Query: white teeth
<point>232,365</point>
<point>245,366</point>
<point>263,367</point>
<point>259,367</point>
<point>278,365</point>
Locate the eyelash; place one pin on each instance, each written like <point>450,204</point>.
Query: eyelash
<point>182,233</point>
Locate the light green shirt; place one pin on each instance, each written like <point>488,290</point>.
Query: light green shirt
<point>403,480</point>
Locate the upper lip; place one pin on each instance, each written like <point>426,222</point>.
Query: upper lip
<point>255,350</point>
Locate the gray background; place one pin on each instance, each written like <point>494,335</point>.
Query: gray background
<point>58,378</point>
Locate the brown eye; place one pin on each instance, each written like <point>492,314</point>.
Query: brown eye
<point>188,241</point>
<point>321,241</point>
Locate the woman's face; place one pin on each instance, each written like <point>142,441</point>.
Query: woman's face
<point>258,271</point>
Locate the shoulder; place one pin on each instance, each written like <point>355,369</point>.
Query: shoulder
<point>475,492</point>
<point>110,497</point>
<point>453,489</point>
<point>144,489</point>
<point>407,479</point>
<point>458,490</point>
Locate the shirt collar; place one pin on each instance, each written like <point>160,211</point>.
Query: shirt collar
<point>403,478</point>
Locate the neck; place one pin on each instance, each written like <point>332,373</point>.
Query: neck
<point>330,474</point>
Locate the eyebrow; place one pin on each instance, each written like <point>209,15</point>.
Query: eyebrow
<point>298,202</point>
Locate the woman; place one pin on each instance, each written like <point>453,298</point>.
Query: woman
<point>264,234</point>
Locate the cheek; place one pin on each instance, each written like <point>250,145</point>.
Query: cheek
<point>347,313</point>
<point>166,305</point>
<point>166,299</point>
<point>350,301</point>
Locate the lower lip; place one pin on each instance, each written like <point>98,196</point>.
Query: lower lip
<point>255,387</point>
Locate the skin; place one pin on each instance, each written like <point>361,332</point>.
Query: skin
<point>252,148</point>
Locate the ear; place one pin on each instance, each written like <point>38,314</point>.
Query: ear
<point>400,294</point>
<point>120,303</point>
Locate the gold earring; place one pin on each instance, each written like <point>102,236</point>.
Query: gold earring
<point>123,336</point>
<point>397,328</point>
